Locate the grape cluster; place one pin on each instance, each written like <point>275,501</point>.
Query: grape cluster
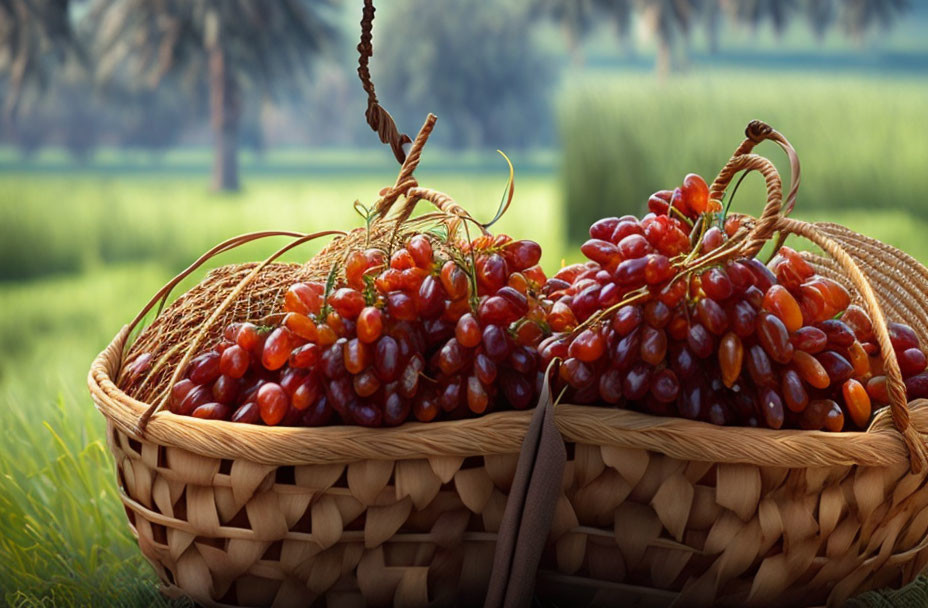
<point>421,333</point>
<point>661,319</point>
<point>733,343</point>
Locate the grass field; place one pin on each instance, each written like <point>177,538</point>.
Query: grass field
<point>860,139</point>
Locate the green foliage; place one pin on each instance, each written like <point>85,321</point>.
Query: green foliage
<point>68,223</point>
<point>627,137</point>
<point>472,62</point>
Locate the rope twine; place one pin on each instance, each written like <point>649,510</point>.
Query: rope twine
<point>377,117</point>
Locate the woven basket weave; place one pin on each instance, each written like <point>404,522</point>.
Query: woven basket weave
<point>663,509</point>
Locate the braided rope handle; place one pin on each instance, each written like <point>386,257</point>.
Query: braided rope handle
<point>743,160</point>
<point>377,117</point>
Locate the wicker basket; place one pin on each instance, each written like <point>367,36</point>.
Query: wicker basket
<point>664,509</point>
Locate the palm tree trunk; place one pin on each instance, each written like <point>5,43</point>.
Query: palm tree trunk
<point>225,108</point>
<point>664,53</point>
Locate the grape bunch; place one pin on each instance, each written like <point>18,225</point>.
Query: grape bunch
<point>734,342</point>
<point>424,332</point>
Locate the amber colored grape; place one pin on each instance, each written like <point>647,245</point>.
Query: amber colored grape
<point>811,370</point>
<point>587,346</point>
<point>272,403</point>
<point>477,398</point>
<point>325,335</point>
<point>876,388</point>
<point>561,317</point>
<point>301,326</point>
<point>731,358</point>
<point>370,324</point>
<point>277,349</point>
<point>234,361</point>
<point>779,301</point>
<point>425,407</point>
<point>304,357</point>
<point>856,402</point>
<point>420,249</point>
<point>247,336</point>
<point>211,411</point>
<point>306,392</point>
<point>859,359</point>
<point>696,193</point>
<point>454,280</point>
<point>774,337</point>
<point>859,321</point>
<point>834,419</point>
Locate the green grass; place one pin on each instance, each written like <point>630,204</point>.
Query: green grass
<point>72,223</point>
<point>63,535</point>
<point>861,141</point>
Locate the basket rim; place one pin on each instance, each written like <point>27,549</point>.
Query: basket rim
<point>496,433</point>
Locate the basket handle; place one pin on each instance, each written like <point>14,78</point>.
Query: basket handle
<point>743,160</point>
<point>898,406</point>
<point>377,117</point>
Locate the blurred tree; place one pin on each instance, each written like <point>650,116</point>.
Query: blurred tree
<point>230,44</point>
<point>753,13</point>
<point>858,16</point>
<point>575,19</point>
<point>35,38</point>
<point>469,60</point>
<point>820,14</point>
<point>667,21</point>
